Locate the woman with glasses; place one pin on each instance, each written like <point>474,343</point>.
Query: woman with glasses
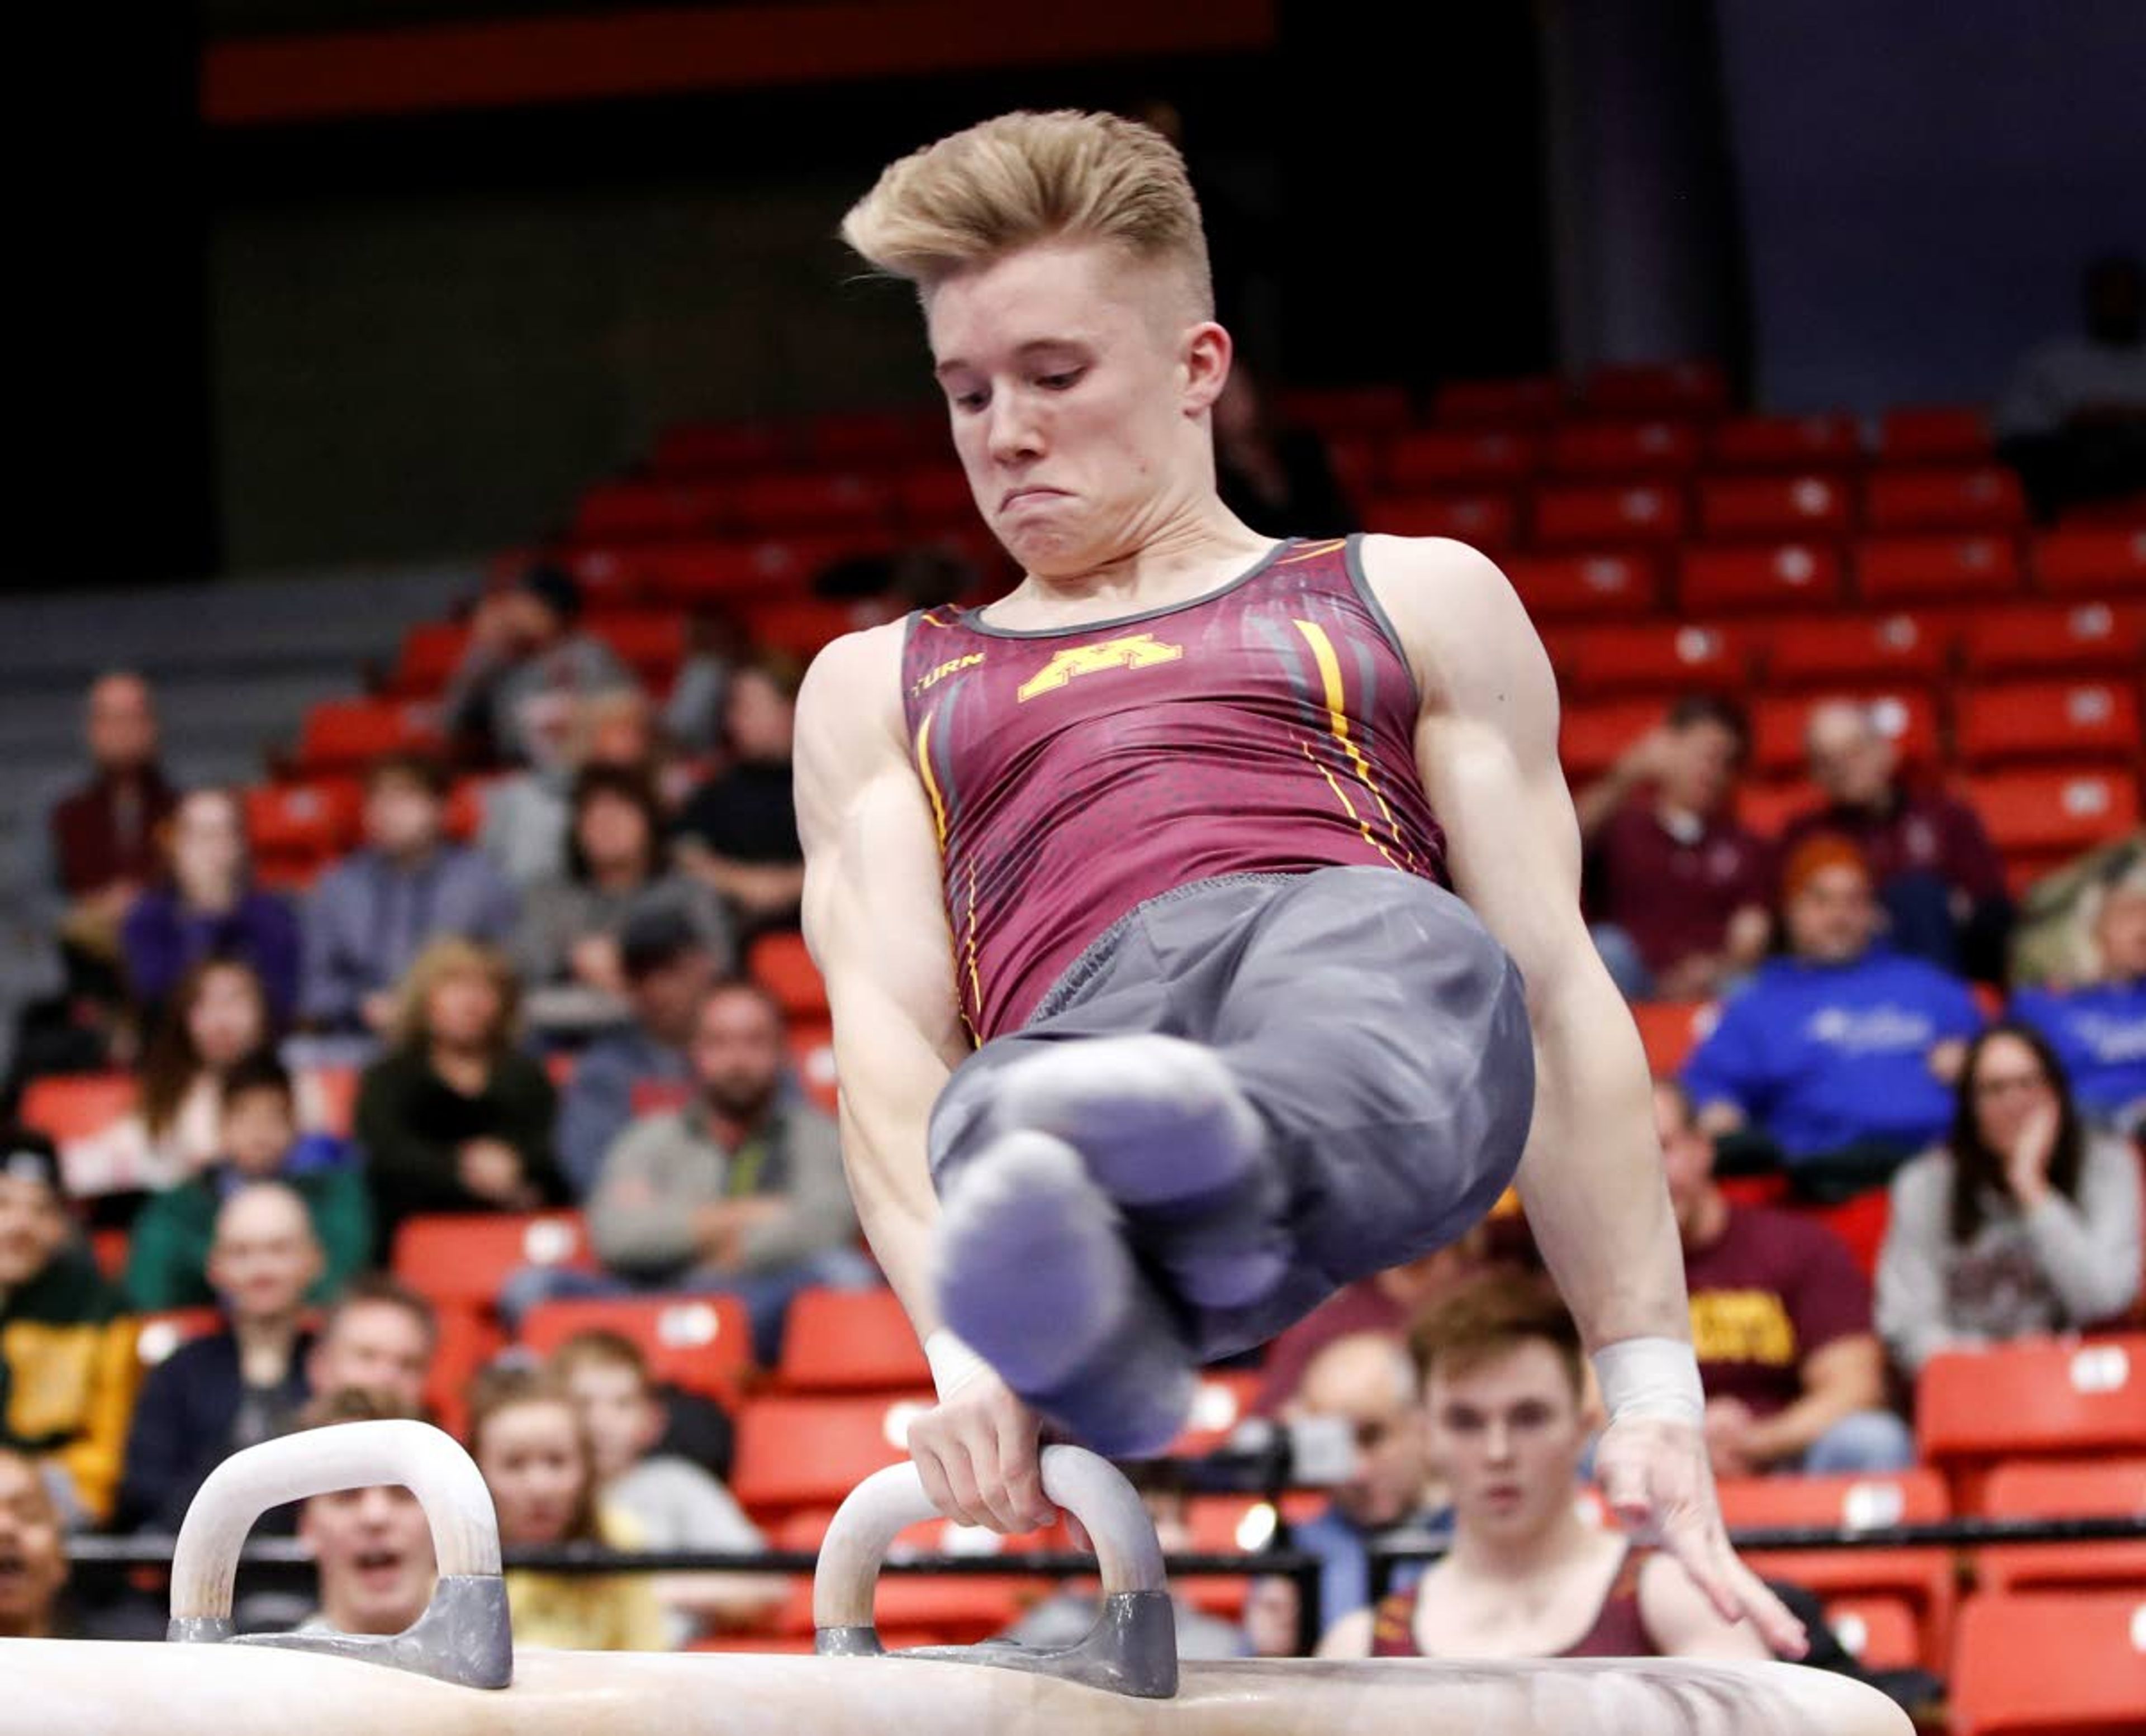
<point>2025,1221</point>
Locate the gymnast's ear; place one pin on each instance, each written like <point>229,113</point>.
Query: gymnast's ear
<point>1205,355</point>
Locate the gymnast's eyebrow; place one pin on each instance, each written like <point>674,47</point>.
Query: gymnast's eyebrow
<point>955,364</point>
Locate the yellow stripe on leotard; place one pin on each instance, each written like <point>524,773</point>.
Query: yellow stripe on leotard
<point>1337,720</point>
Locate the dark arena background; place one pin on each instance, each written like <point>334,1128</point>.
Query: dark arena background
<point>447,431</point>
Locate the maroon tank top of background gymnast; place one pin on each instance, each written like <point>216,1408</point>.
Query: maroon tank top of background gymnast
<point>1619,1631</point>
<point>1073,773</point>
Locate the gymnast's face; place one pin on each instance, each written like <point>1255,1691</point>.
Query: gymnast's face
<point>1508,1433</point>
<point>1080,382</point>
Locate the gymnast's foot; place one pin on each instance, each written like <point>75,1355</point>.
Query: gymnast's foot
<point>1166,1133</point>
<point>1033,1273</point>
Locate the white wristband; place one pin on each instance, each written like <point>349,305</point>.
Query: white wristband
<point>1656,1377</point>
<point>954,1365</point>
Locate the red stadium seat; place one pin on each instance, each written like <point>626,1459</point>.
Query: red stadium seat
<point>164,1331</point>
<point>699,448</point>
<point>1670,1029</point>
<point>1665,659</point>
<point>432,651</point>
<point>1855,650</point>
<point>812,1057</point>
<point>345,735</point>
<point>1924,1577</point>
<point>2054,639</point>
<point>651,643</point>
<point>319,819</point>
<point>2060,1663</point>
<point>1535,398</point>
<point>1859,1223</point>
<point>335,1090</point>
<point>1971,497</point>
<point>1786,443</point>
<point>1347,409</point>
<point>2060,1489</point>
<point>1593,517</point>
<point>1928,434</point>
<point>1896,570</point>
<point>1879,1633</point>
<point>1662,388</point>
<point>652,512</point>
<point>809,500</point>
<point>469,1339</point>
<point>1430,459</point>
<point>875,436</point>
<point>462,1260</point>
<point>696,573</point>
<point>1594,585</point>
<point>803,627</point>
<point>1643,449</point>
<point>2092,560</point>
<point>1768,805</point>
<point>1591,736</point>
<point>1483,521</point>
<point>850,1341</point>
<point>703,1344</point>
<point>796,1452</point>
<point>2054,812</point>
<point>2046,1397</point>
<point>1223,1399</point>
<point>779,964</point>
<point>1908,715</point>
<point>108,1248</point>
<point>1780,575</point>
<point>1741,508</point>
<point>74,1105</point>
<point>2087,719</point>
<point>930,498</point>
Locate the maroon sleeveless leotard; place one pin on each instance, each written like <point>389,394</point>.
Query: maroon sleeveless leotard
<point>1074,773</point>
<point>1618,1630</point>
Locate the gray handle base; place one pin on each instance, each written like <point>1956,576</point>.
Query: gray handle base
<point>462,1637</point>
<point>1131,1650</point>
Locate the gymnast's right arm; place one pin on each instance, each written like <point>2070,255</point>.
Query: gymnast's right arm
<point>876,925</point>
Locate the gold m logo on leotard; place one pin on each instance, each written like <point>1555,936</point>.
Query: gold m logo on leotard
<point>1141,651</point>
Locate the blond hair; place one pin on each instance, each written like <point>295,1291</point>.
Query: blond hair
<point>453,955</point>
<point>1026,177</point>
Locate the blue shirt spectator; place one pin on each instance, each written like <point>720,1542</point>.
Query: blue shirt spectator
<point>374,913</point>
<point>204,908</point>
<point>1839,1044</point>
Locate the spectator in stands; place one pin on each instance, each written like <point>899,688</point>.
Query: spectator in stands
<point>526,1438</point>
<point>372,913</point>
<point>740,1191</point>
<point>1794,1375</point>
<point>527,816</point>
<point>1840,1053</point>
<point>567,948</point>
<point>2072,418</point>
<point>218,1016</point>
<point>1505,1395</point>
<point>172,1247</point>
<point>2047,950</point>
<point>693,714</point>
<point>1939,877</point>
<point>673,1503</point>
<point>668,970</point>
<point>1677,889</point>
<point>1274,476</point>
<point>372,1547</point>
<point>739,831</point>
<point>104,834</point>
<point>1368,1382</point>
<point>2024,1221</point>
<point>1066,1617</point>
<point>2098,1025</point>
<point>67,1370</point>
<point>205,908</point>
<point>100,851</point>
<point>230,1390</point>
<point>33,1562</point>
<point>454,1117</point>
<point>1386,1302</point>
<point>527,656</point>
<point>378,1338</point>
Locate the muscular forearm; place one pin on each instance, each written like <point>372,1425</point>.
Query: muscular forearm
<point>895,1204</point>
<point>1591,1180</point>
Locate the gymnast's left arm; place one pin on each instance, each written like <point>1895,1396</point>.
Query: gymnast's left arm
<point>1591,1178</point>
